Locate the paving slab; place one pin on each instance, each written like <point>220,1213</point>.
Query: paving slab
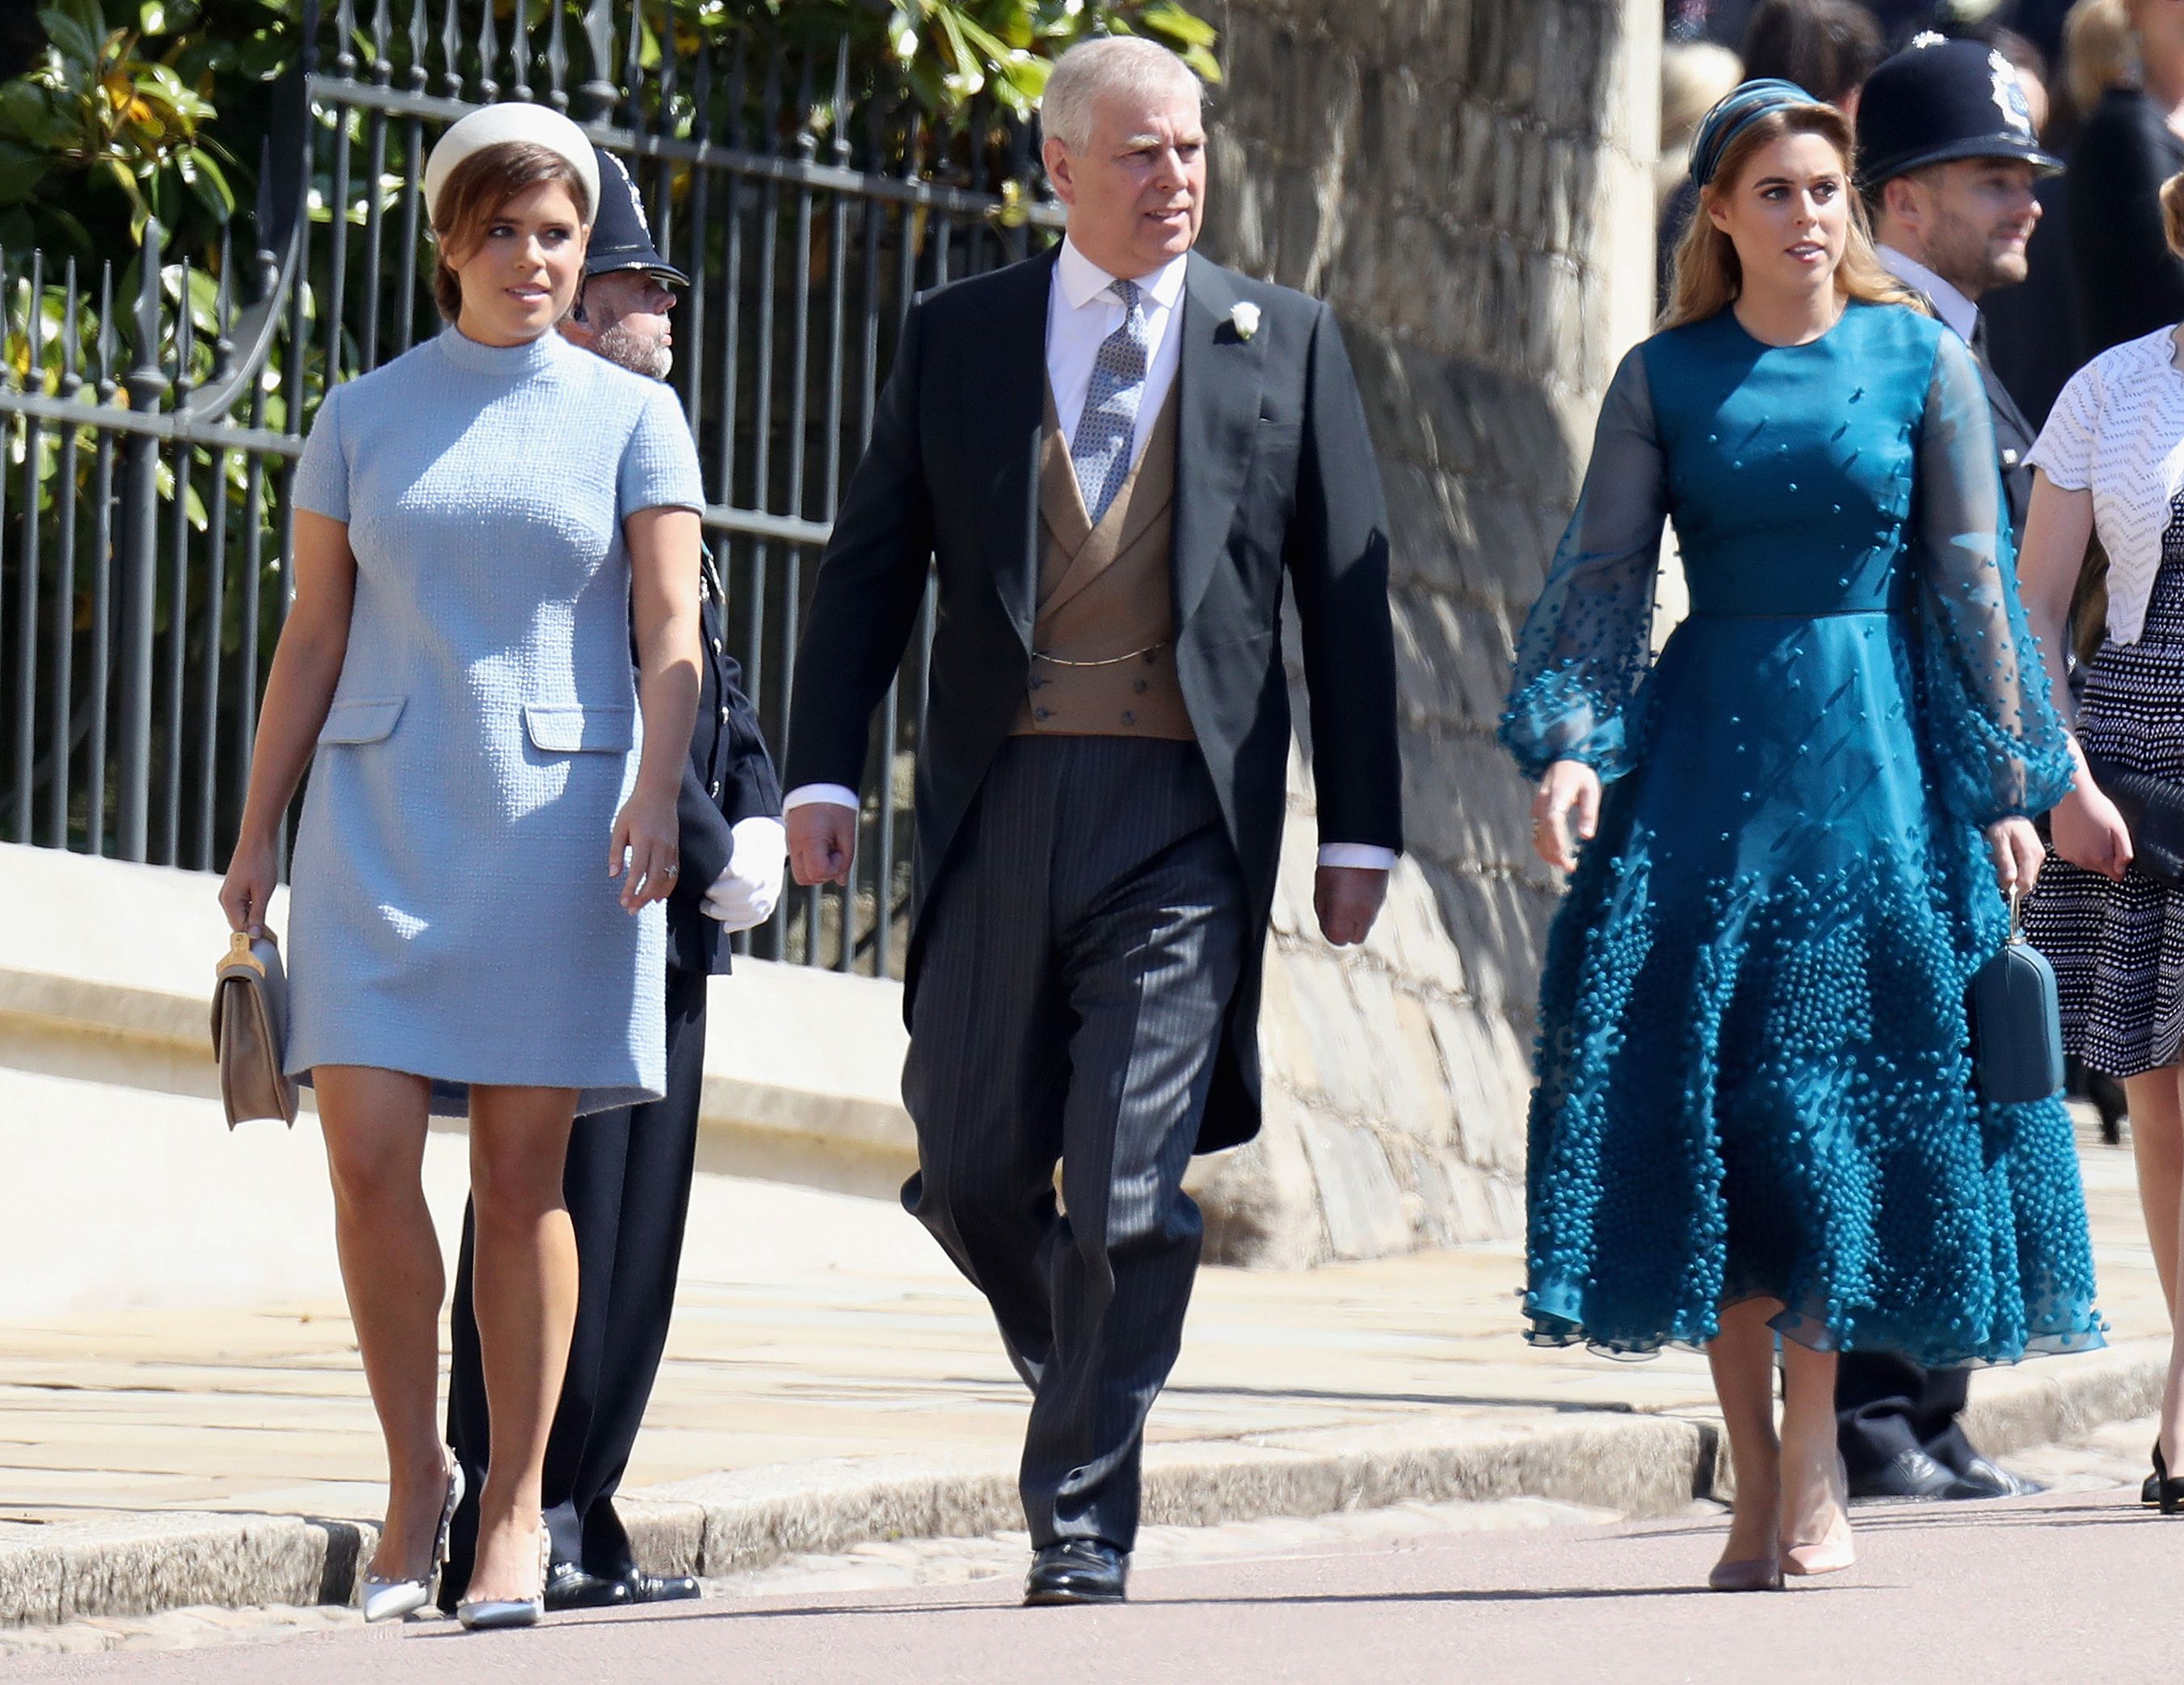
<point>829,1380</point>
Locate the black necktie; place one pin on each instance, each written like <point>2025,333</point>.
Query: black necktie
<point>1979,335</point>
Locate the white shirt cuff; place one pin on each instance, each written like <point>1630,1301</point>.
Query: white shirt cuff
<point>804,796</point>
<point>1365,856</point>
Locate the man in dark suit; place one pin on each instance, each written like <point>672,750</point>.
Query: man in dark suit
<point>627,1181</point>
<point>1946,161</point>
<point>1115,454</point>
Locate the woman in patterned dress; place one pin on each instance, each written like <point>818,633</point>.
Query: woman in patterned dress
<point>1755,1118</point>
<point>2111,460</point>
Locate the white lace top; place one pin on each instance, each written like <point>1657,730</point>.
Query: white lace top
<point>2117,432</point>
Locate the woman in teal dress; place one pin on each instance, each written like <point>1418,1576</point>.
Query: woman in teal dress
<point>1756,1113</point>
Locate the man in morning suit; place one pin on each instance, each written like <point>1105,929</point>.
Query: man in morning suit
<point>1114,454</point>
<point>627,1181</point>
<point>1946,161</point>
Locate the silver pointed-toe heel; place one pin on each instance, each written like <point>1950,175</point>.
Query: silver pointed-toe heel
<point>386,1599</point>
<point>483,1614</point>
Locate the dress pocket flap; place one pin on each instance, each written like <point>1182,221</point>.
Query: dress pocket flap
<point>361,721</point>
<point>569,728</point>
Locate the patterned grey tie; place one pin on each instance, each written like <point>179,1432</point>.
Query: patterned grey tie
<point>1102,452</point>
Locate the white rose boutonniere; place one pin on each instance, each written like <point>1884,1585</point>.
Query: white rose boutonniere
<point>1245,319</point>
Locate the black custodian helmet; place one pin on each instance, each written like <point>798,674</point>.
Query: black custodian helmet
<point>1938,100</point>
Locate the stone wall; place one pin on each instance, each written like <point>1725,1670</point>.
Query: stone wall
<point>1467,180</point>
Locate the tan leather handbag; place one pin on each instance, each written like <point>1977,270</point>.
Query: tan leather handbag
<point>250,1030</point>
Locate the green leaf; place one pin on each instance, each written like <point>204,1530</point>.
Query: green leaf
<point>207,181</point>
<point>28,113</point>
<point>152,17</point>
<point>1178,25</point>
<point>120,174</point>
<point>969,77</point>
<point>1201,59</point>
<point>76,44</point>
<point>1027,74</point>
<point>21,169</point>
<point>157,82</point>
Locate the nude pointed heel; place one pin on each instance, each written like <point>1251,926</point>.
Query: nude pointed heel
<point>1826,1556</point>
<point>1806,1561</point>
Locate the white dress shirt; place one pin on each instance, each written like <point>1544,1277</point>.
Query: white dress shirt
<point>1955,310</point>
<point>1082,310</point>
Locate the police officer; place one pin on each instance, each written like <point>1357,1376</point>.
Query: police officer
<point>1946,162</point>
<point>1947,158</point>
<point>627,1183</point>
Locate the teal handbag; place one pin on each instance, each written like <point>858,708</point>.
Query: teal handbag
<point>2017,1022</point>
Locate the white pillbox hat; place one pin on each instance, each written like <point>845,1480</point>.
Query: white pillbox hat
<point>514,119</point>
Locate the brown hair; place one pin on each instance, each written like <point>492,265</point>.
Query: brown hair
<point>477,191</point>
<point>1708,277</point>
<point>2172,212</point>
<point>1828,47</point>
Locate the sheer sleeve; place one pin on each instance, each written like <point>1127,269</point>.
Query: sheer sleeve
<point>1999,747</point>
<point>1588,642</point>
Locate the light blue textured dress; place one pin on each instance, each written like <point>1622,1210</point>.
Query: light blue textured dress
<point>1754,1074</point>
<point>450,911</point>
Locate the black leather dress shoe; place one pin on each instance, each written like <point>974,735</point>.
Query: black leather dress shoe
<point>1979,1478</point>
<point>569,1587</point>
<point>1078,1571</point>
<point>660,1588</point>
<point>1908,1474</point>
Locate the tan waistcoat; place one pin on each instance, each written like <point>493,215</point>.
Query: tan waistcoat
<point>1103,660</point>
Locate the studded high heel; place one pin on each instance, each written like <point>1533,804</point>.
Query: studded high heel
<point>386,1599</point>
<point>485,1614</point>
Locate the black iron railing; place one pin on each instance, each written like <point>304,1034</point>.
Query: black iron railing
<point>144,535</point>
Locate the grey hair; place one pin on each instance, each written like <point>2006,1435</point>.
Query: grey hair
<point>1125,64</point>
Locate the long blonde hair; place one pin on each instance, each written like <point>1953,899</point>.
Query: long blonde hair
<point>1708,278</point>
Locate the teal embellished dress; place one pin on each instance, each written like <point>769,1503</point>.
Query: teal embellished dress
<point>1754,1072</point>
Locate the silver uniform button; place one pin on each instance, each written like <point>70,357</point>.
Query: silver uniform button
<point>720,648</point>
<point>724,715</point>
<point>2009,459</point>
<point>716,789</point>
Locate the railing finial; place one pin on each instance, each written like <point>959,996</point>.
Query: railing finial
<point>147,381</point>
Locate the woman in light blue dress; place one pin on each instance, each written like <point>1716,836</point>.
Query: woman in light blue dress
<point>1756,1114</point>
<point>490,823</point>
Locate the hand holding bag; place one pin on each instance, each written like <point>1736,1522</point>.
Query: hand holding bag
<point>250,1030</point>
<point>2017,1022</point>
<point>2152,811</point>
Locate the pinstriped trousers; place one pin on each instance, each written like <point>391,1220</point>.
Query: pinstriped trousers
<point>1078,964</point>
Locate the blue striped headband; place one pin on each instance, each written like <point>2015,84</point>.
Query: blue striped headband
<point>1739,109</point>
